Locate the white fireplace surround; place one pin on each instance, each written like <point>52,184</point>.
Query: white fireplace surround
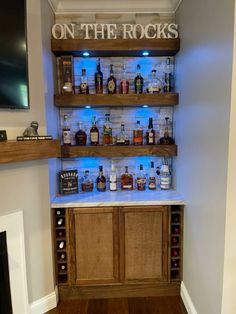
<point>13,225</point>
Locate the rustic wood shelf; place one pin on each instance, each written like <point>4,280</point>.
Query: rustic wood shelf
<point>14,151</point>
<point>115,47</point>
<point>116,100</point>
<point>118,151</point>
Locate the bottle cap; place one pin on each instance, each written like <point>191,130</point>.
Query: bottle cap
<point>165,168</point>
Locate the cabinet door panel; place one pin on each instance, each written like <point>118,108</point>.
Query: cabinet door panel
<point>144,243</point>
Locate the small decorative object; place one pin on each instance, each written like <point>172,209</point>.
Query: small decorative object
<point>32,130</point>
<point>3,135</point>
<point>68,182</point>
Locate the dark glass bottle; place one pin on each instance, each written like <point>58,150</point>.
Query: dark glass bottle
<point>166,139</point>
<point>98,79</point>
<point>80,136</point>
<point>126,179</point>
<point>101,181</point>
<point>94,133</point>
<point>138,81</point>
<point>150,134</point>
<point>111,82</point>
<point>107,131</point>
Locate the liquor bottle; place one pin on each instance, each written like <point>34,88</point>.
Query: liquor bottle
<point>166,139</point>
<point>154,85</point>
<point>141,179</point>
<point>150,134</point>
<point>84,88</point>
<point>138,81</point>
<point>80,136</point>
<point>111,82</point>
<point>165,177</point>
<point>158,172</point>
<point>124,84</point>
<point>67,74</point>
<point>66,133</point>
<point>101,181</point>
<point>113,178</point>
<point>168,77</point>
<point>138,134</point>
<point>122,137</point>
<point>127,182</point>
<point>98,79</point>
<point>94,133</point>
<point>107,131</point>
<point>152,184</point>
<point>87,182</point>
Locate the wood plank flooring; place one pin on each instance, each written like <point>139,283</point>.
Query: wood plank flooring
<point>150,305</point>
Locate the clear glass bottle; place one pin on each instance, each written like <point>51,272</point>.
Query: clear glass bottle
<point>138,134</point>
<point>168,77</point>
<point>98,76</point>
<point>113,178</point>
<point>84,88</point>
<point>150,134</point>
<point>80,136</point>
<point>101,180</point>
<point>154,85</point>
<point>127,181</point>
<point>111,82</point>
<point>124,84</point>
<point>141,179</point>
<point>166,139</point>
<point>165,176</point>
<point>138,81</point>
<point>152,183</point>
<point>68,85</point>
<point>87,182</point>
<point>94,133</point>
<point>66,132</point>
<point>107,131</point>
<point>122,137</point>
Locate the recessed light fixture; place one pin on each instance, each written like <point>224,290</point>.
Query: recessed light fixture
<point>145,106</point>
<point>87,107</point>
<point>145,53</point>
<point>86,54</point>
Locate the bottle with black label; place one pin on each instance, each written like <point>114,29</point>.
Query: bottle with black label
<point>66,132</point>
<point>138,81</point>
<point>80,136</point>
<point>150,134</point>
<point>111,82</point>
<point>152,184</point>
<point>98,79</point>
<point>101,180</point>
<point>141,179</point>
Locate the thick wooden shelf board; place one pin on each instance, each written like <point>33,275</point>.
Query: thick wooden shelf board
<point>14,151</point>
<point>119,151</point>
<point>116,100</point>
<point>115,47</point>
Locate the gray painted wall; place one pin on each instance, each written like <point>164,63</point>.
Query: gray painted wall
<point>204,71</point>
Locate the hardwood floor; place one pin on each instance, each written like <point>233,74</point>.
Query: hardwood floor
<point>151,305</point>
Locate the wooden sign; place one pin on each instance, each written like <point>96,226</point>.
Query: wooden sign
<point>114,31</point>
<point>68,182</point>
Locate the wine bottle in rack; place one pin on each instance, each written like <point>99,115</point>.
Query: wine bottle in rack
<point>60,222</point>
<point>61,245</point>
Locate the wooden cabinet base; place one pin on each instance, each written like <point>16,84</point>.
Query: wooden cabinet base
<point>119,291</point>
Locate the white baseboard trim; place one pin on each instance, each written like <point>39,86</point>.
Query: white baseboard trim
<point>187,300</point>
<point>44,304</point>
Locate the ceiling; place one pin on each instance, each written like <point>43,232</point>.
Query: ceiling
<point>114,6</point>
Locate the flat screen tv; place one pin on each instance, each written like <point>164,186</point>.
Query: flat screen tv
<point>13,55</point>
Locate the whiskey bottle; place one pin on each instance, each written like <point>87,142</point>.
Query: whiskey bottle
<point>84,88</point>
<point>107,131</point>
<point>98,78</point>
<point>150,134</point>
<point>87,183</point>
<point>152,185</point>
<point>124,84</point>
<point>94,133</point>
<point>138,134</point>
<point>154,86</point>
<point>113,178</point>
<point>127,180</point>
<point>166,139</point>
<point>80,136</point>
<point>138,81</point>
<point>168,77</point>
<point>66,133</point>
<point>122,137</point>
<point>165,177</point>
<point>111,82</point>
<point>141,180</point>
<point>101,181</point>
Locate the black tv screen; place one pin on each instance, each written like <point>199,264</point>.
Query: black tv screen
<point>13,55</point>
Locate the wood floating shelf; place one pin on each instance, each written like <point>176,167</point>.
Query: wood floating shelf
<point>116,100</point>
<point>118,151</point>
<point>14,151</point>
<point>115,47</point>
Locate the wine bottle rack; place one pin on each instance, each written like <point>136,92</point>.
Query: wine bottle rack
<point>61,245</point>
<point>176,240</point>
